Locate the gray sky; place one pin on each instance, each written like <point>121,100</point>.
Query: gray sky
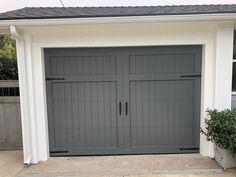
<point>6,5</point>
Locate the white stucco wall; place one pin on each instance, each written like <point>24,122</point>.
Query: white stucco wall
<point>216,38</point>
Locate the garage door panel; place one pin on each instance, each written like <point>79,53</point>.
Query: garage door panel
<point>82,65</point>
<point>155,105</point>
<point>162,63</point>
<point>84,114</point>
<point>164,106</point>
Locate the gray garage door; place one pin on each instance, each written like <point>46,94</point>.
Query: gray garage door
<point>123,100</point>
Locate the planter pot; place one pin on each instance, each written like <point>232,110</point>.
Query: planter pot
<point>224,158</point>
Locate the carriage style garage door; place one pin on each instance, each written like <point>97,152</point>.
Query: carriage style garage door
<point>129,100</point>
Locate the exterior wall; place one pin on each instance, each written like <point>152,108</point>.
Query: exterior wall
<point>215,37</point>
<point>224,57</point>
<point>10,120</point>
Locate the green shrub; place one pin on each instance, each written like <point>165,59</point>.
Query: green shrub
<point>221,128</point>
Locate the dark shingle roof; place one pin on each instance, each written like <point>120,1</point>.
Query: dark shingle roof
<point>82,12</point>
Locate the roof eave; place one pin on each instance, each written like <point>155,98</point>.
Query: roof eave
<point>123,19</point>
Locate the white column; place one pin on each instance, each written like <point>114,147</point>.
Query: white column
<point>31,98</point>
<point>223,72</point>
<point>41,103</point>
<point>216,78</point>
<point>27,99</point>
<point>24,104</point>
<point>207,93</point>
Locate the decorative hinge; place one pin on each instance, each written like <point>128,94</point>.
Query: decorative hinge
<point>189,149</point>
<point>191,75</point>
<point>52,79</point>
<point>57,152</point>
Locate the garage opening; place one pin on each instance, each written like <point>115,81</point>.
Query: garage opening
<point>130,100</point>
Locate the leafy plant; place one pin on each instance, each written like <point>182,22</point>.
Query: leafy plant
<point>8,62</point>
<point>221,128</point>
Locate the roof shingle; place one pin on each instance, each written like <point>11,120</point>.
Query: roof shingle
<point>86,12</point>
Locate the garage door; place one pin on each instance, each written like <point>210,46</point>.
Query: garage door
<point>123,100</point>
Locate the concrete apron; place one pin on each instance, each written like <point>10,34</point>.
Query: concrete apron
<point>122,165</point>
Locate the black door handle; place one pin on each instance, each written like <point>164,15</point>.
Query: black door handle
<point>120,108</point>
<point>126,108</point>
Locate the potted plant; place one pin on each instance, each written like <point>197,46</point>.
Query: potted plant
<point>221,130</point>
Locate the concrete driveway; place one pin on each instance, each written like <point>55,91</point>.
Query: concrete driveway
<point>11,165</point>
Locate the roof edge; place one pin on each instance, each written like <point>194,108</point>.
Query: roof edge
<point>120,19</point>
<point>104,16</point>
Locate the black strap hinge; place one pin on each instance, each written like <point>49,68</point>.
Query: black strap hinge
<point>57,152</point>
<point>191,75</point>
<point>52,79</point>
<point>189,149</point>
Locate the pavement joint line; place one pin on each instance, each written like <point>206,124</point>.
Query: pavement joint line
<point>123,174</point>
